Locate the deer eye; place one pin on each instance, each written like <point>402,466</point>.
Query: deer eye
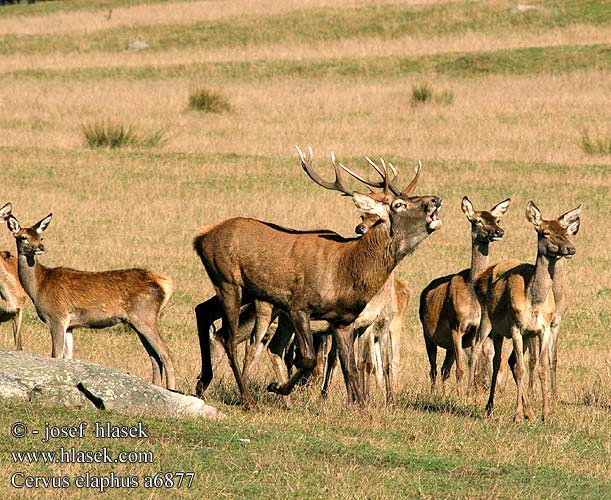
<point>397,204</point>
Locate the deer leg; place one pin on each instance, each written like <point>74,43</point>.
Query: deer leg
<point>533,361</point>
<point>205,314</point>
<point>345,347</point>
<point>544,344</point>
<point>58,331</point>
<point>254,349</point>
<point>496,364</point>
<point>331,364</point>
<point>386,357</point>
<point>446,367</point>
<point>457,336</point>
<point>68,344</point>
<point>431,350</point>
<point>17,321</point>
<point>230,296</point>
<point>364,365</point>
<point>553,357</point>
<point>301,325</point>
<point>161,361</point>
<point>483,332</point>
<point>277,346</point>
<point>155,361</point>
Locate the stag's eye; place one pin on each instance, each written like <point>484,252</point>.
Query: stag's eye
<point>398,204</point>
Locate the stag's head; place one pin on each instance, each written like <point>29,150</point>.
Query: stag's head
<point>29,239</point>
<point>409,218</point>
<point>485,226</point>
<point>553,234</point>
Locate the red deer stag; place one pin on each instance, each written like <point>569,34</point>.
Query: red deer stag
<point>520,304</point>
<point>308,274</point>
<point>66,299</point>
<point>450,311</point>
<point>12,294</point>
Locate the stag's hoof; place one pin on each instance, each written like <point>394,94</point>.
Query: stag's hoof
<point>273,387</point>
<point>278,389</point>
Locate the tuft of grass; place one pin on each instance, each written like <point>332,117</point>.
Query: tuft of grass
<point>208,101</point>
<point>111,135</point>
<point>421,94</point>
<point>595,146</point>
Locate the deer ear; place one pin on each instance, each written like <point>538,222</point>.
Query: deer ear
<point>573,228</point>
<point>533,214</point>
<point>571,216</point>
<point>368,205</point>
<point>467,207</point>
<point>41,225</point>
<point>500,208</point>
<point>5,211</point>
<point>13,224</point>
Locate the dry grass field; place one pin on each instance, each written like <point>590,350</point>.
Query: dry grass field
<point>522,91</point>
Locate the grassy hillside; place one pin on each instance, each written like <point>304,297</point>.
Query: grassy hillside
<point>519,107</point>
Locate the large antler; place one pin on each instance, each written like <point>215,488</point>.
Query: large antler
<point>338,185</point>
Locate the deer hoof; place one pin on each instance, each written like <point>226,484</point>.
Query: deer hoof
<point>273,387</point>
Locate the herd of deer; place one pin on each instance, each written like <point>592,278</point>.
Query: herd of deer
<point>318,283</point>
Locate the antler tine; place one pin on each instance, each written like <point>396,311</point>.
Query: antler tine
<point>379,184</point>
<point>338,185</point>
<point>410,187</point>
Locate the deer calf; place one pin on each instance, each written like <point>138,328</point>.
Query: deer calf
<point>12,294</point>
<point>66,299</point>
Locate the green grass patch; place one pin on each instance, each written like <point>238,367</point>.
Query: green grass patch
<point>529,61</point>
<point>208,101</point>
<point>111,135</point>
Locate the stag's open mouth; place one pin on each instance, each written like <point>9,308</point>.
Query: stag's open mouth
<point>433,222</point>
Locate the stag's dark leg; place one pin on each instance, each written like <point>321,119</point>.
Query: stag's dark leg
<point>345,347</point>
<point>206,314</point>
<point>303,335</point>
<point>330,368</point>
<point>230,296</point>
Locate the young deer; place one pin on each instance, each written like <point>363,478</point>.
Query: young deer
<point>309,275</point>
<point>520,303</point>
<point>66,299</point>
<point>12,294</point>
<point>450,311</point>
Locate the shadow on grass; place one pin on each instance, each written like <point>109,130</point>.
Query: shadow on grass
<point>435,403</point>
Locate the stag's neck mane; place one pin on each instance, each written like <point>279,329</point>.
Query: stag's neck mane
<point>372,259</point>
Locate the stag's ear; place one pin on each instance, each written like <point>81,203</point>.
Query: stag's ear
<point>41,225</point>
<point>571,216</point>
<point>5,211</point>
<point>13,224</point>
<point>573,228</point>
<point>368,205</point>
<point>500,208</point>
<point>533,214</point>
<point>467,207</point>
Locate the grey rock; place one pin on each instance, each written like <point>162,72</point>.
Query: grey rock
<point>81,384</point>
